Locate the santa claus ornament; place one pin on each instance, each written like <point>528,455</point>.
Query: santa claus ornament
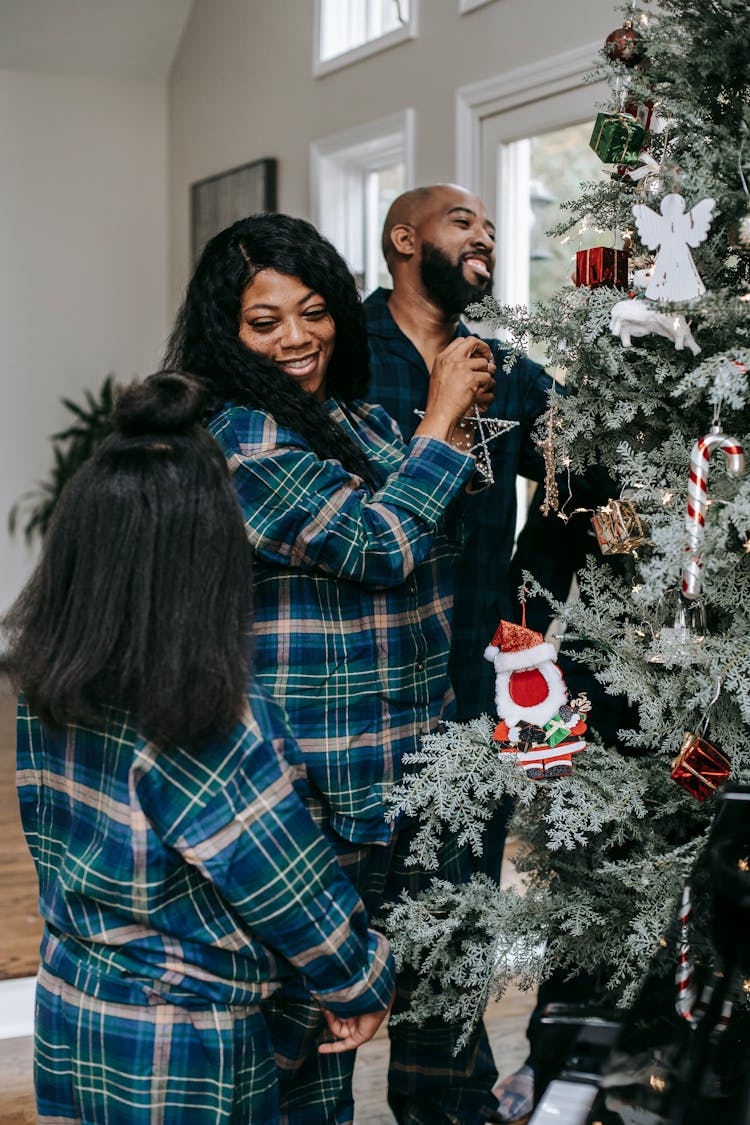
<point>539,723</point>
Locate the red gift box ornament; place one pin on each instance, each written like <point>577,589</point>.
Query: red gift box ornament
<point>602,265</point>
<point>700,767</point>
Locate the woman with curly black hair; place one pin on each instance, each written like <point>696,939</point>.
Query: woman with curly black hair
<point>181,878</point>
<point>353,582</point>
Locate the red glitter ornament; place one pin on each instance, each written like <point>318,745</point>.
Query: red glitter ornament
<point>624,45</point>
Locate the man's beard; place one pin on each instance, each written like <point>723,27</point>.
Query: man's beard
<point>445,282</point>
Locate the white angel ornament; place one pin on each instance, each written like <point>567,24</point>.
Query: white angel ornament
<point>674,276</point>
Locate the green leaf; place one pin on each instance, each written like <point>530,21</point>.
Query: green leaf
<point>33,510</point>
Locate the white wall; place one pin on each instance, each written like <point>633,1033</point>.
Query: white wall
<point>83,254</point>
<point>241,86</point>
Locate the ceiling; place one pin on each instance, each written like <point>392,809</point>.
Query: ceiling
<point>116,38</point>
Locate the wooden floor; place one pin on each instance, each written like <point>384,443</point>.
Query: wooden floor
<point>21,929</point>
<point>19,941</point>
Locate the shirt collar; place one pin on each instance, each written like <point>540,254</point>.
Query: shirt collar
<point>380,322</point>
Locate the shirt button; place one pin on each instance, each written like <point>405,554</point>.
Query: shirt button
<point>420,667</point>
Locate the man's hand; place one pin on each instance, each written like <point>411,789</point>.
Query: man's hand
<point>486,393</point>
<point>461,378</point>
<point>353,1032</point>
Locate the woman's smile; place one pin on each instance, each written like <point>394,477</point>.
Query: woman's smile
<point>284,320</point>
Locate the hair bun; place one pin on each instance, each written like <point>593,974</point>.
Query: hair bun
<point>167,402</point>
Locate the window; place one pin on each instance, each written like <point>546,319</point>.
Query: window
<point>355,177</point>
<point>537,174</point>
<point>517,145</point>
<point>349,30</point>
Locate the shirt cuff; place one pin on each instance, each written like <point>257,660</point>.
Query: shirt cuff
<point>432,473</point>
<point>442,455</point>
<point>372,991</point>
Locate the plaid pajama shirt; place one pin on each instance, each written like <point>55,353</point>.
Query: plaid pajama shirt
<point>353,597</point>
<point>486,520</point>
<point>178,891</point>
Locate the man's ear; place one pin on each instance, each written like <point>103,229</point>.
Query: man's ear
<point>402,239</point>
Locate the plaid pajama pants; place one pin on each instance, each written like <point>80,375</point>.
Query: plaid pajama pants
<point>427,1083</point>
<point>102,1063</point>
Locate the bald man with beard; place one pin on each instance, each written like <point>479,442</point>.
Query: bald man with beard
<point>439,245</point>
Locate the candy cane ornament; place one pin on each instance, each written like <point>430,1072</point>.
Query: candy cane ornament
<point>695,518</point>
<point>684,979</point>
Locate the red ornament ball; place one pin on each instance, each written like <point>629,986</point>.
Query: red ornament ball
<point>624,45</point>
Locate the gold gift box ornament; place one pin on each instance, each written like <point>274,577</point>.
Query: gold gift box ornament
<point>618,528</point>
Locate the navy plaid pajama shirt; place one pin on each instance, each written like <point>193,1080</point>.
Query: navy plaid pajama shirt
<point>353,599</point>
<point>179,890</point>
<point>484,522</point>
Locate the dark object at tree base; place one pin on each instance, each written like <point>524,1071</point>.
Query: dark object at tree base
<point>651,1064</point>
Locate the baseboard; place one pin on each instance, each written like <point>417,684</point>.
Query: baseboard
<point>17,1007</point>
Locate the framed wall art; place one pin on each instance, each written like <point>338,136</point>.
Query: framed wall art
<point>220,200</point>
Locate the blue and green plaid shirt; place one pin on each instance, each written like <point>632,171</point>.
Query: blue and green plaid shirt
<point>353,596</point>
<point>487,519</point>
<point>197,876</point>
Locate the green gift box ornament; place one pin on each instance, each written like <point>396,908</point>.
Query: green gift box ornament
<point>617,138</point>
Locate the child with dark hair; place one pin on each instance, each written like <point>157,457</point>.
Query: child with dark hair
<point>353,593</point>
<point>181,879</point>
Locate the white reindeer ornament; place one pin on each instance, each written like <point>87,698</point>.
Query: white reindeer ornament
<point>635,318</point>
<point>674,276</point>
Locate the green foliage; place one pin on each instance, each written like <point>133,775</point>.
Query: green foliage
<point>602,855</point>
<point>463,937</point>
<point>605,852</point>
<point>70,448</point>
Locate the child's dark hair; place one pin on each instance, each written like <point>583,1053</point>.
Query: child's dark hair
<point>142,597</point>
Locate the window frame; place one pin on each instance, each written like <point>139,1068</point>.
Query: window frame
<point>552,83</point>
<point>547,86</point>
<point>321,66</point>
<point>339,166</point>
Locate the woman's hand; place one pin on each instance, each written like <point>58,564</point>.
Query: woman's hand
<point>461,378</point>
<point>353,1032</point>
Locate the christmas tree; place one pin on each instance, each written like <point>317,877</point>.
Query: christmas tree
<point>654,340</point>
